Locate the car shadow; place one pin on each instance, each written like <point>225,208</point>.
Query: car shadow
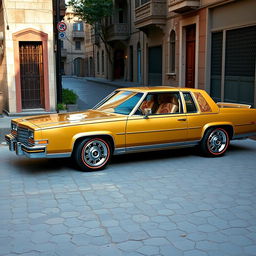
<point>155,155</point>
<point>43,166</point>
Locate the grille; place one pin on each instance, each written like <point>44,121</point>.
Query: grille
<point>22,135</point>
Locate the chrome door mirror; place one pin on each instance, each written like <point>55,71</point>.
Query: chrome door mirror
<point>147,112</point>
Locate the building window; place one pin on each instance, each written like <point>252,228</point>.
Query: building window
<point>78,26</point>
<point>102,61</point>
<point>98,62</point>
<point>78,45</point>
<point>233,77</point>
<point>172,52</point>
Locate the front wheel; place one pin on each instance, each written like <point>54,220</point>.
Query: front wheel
<point>92,154</point>
<point>215,142</point>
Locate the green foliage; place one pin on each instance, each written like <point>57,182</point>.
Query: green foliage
<point>61,106</point>
<point>92,11</point>
<point>68,96</point>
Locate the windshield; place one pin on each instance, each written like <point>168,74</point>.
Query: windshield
<point>122,102</point>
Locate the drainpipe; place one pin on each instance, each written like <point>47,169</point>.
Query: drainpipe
<point>58,55</point>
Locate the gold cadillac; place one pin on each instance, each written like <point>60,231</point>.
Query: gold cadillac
<point>134,120</point>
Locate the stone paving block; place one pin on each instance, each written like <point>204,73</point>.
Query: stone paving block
<point>130,246</point>
<point>250,250</point>
<point>40,237</point>
<point>183,244</point>
<point>168,250</point>
<point>58,229</point>
<point>53,221</point>
<point>149,250</point>
<point>195,253</point>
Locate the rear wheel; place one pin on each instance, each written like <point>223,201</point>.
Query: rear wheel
<point>92,154</point>
<point>215,142</point>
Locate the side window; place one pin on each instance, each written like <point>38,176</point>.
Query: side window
<point>190,104</point>
<point>162,103</point>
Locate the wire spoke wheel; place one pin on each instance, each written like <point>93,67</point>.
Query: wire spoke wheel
<point>215,142</point>
<point>95,153</point>
<point>92,154</point>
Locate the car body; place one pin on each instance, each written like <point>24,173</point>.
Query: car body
<point>134,120</point>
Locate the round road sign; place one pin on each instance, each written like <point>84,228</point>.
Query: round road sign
<point>61,26</point>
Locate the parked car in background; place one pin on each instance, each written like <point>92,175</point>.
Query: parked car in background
<point>134,120</point>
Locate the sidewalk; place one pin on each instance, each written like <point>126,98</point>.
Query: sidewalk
<point>5,127</point>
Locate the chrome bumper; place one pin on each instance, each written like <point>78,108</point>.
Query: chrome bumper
<point>21,149</point>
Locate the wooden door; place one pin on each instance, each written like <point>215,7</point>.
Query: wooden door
<point>155,65</point>
<point>190,55</point>
<point>31,75</point>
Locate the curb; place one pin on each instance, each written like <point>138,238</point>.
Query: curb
<point>3,132</point>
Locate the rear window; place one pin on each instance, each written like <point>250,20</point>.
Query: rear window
<point>190,104</point>
<point>203,104</point>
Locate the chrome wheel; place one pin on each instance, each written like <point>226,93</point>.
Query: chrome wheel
<point>217,141</point>
<point>95,153</point>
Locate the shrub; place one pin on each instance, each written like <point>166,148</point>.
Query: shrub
<point>61,106</point>
<point>69,96</point>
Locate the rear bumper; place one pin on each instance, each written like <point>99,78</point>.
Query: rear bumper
<point>21,149</point>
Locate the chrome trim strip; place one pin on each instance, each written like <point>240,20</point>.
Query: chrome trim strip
<point>60,155</point>
<point>167,130</point>
<point>138,104</point>
<point>104,100</point>
<point>120,151</point>
<point>123,133</point>
<point>245,124</point>
<point>194,128</point>
<point>155,116</point>
<point>243,136</point>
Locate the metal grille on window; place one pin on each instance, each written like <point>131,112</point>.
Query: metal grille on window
<point>216,65</point>
<point>240,65</point>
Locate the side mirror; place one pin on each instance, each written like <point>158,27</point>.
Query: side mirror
<point>147,112</point>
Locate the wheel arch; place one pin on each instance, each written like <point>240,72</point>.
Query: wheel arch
<point>103,135</point>
<point>227,126</point>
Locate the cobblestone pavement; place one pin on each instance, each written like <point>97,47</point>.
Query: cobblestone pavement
<point>172,203</point>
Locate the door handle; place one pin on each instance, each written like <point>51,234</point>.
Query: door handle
<point>182,119</point>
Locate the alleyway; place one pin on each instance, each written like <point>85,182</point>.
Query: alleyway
<point>89,93</point>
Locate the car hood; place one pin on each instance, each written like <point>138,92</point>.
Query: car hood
<point>55,120</point>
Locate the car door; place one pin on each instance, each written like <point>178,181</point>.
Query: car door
<point>156,130</point>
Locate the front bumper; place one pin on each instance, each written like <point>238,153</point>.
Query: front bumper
<point>21,149</point>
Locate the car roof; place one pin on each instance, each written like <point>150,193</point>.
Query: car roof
<point>157,89</point>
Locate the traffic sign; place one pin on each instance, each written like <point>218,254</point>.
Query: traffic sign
<point>62,35</point>
<point>61,26</point>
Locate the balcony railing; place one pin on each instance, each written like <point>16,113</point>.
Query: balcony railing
<point>118,31</point>
<point>78,34</point>
<point>183,6</point>
<point>150,12</point>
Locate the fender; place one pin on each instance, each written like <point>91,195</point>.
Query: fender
<point>88,134</point>
<point>216,124</point>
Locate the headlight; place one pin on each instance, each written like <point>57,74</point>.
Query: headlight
<point>14,127</point>
<point>30,134</point>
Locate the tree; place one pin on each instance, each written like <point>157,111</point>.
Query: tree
<point>95,13</point>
